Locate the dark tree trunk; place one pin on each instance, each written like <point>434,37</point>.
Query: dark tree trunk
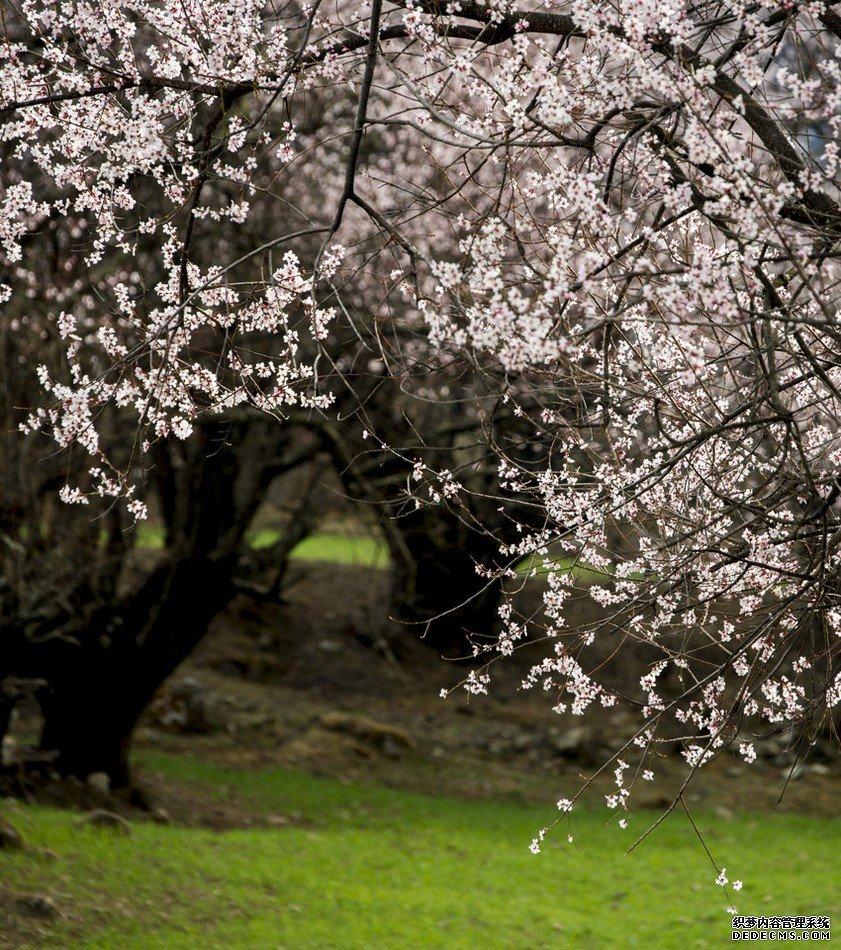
<point>92,705</point>
<point>439,592</point>
<point>436,591</point>
<point>89,728</point>
<point>97,690</point>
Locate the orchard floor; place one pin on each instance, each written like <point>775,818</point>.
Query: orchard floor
<point>301,686</point>
<point>330,864</point>
<point>312,790</point>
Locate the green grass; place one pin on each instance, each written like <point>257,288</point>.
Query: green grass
<point>369,867</point>
<point>365,550</point>
<point>562,564</point>
<point>361,549</point>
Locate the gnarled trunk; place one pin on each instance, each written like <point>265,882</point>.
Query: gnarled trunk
<point>89,729</point>
<point>91,706</point>
<point>96,690</point>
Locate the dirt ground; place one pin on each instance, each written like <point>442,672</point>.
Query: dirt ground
<point>299,685</point>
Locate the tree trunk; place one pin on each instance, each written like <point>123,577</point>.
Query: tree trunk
<point>436,590</point>
<point>440,594</point>
<point>89,728</point>
<point>91,707</point>
<point>101,670</point>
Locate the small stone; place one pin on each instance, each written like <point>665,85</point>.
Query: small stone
<point>99,782</point>
<point>368,730</point>
<point>38,905</point>
<point>10,839</point>
<point>160,815</point>
<point>100,818</point>
<point>249,721</point>
<point>189,706</point>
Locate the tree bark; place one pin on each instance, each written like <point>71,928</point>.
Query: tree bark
<point>439,594</point>
<point>100,679</point>
<point>91,706</point>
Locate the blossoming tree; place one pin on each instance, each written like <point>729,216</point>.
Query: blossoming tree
<point>621,219</point>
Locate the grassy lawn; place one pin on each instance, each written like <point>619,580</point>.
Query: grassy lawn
<point>370,867</point>
<point>336,547</point>
<point>367,550</point>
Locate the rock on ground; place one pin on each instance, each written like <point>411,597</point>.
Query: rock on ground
<point>100,818</point>
<point>10,839</point>
<point>38,905</point>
